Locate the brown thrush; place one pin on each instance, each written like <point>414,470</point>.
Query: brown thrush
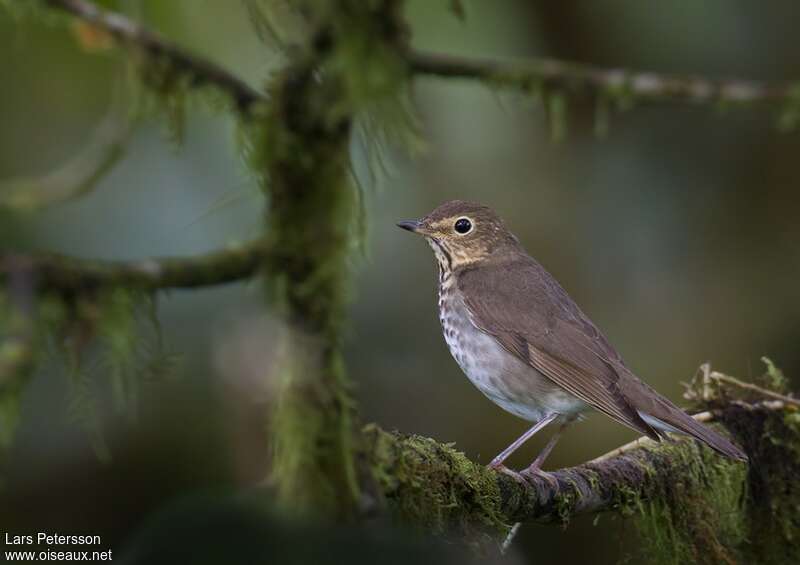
<point>526,345</point>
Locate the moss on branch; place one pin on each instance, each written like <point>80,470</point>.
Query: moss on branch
<point>62,274</point>
<point>433,487</point>
<point>200,71</point>
<point>563,76</point>
<point>300,147</point>
<point>689,504</point>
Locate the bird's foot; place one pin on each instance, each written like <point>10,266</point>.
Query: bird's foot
<point>500,468</point>
<point>534,472</point>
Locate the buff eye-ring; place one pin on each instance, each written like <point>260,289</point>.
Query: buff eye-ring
<point>463,226</point>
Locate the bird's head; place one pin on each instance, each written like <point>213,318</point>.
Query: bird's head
<point>462,233</point>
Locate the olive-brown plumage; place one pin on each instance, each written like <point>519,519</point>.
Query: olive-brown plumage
<point>524,342</point>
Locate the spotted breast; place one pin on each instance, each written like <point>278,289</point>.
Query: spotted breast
<point>506,380</point>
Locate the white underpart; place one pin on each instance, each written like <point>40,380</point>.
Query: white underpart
<point>505,379</point>
<point>658,424</point>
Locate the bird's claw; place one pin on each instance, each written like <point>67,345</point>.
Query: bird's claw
<point>532,473</point>
<point>526,476</point>
<point>500,468</point>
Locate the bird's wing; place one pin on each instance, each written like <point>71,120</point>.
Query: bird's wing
<point>532,317</point>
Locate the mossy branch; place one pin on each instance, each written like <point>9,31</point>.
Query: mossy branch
<point>528,75</point>
<point>202,71</point>
<point>62,274</point>
<point>304,141</point>
<point>568,77</point>
<point>406,461</point>
<point>433,486</point>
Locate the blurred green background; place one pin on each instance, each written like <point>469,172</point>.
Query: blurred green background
<point>677,233</point>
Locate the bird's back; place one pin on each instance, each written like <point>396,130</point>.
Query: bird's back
<point>530,314</point>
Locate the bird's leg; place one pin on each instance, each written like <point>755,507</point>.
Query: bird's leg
<point>535,468</point>
<point>497,462</point>
<point>545,452</point>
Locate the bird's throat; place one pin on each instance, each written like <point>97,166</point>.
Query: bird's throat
<point>443,257</point>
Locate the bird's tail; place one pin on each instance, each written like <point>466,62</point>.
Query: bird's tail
<point>670,418</point>
<point>661,414</point>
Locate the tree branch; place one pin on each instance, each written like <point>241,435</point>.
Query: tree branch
<point>433,484</point>
<point>68,274</point>
<point>719,377</point>
<point>202,71</point>
<point>551,74</point>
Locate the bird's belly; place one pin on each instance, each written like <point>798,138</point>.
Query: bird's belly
<point>506,380</point>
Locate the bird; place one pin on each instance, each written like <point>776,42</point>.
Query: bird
<point>527,346</point>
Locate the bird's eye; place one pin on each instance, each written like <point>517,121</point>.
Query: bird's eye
<point>463,226</point>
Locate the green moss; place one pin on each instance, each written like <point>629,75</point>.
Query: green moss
<point>160,90</point>
<point>773,443</point>
<point>565,502</point>
<point>773,378</point>
<point>300,159</point>
<point>434,488</point>
<point>108,340</point>
<point>116,328</point>
<point>82,405</point>
<point>771,439</point>
<point>717,511</point>
<point>697,516</point>
<point>299,150</point>
<point>302,153</point>
<point>102,343</point>
<point>313,444</point>
<point>96,338</point>
<point>627,501</point>
<point>22,330</point>
<point>385,124</point>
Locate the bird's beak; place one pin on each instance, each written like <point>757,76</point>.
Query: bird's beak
<point>410,225</point>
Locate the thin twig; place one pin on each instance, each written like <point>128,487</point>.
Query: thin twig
<point>556,75</point>
<point>69,274</point>
<point>754,388</point>
<point>512,533</point>
<point>202,71</point>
